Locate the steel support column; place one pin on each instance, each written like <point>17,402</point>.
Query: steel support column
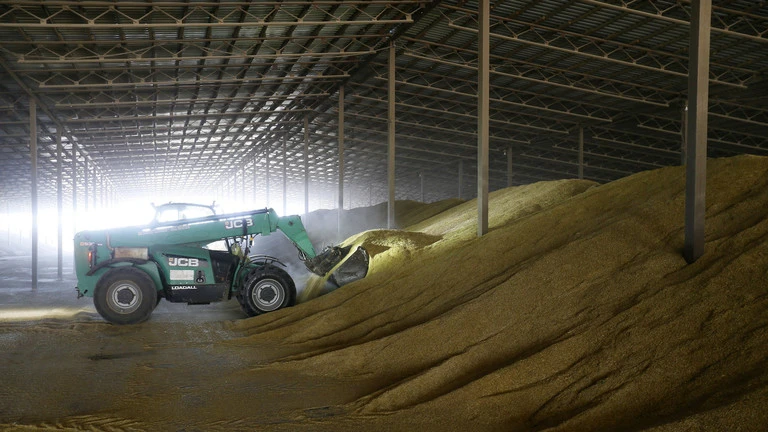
<point>33,157</point>
<point>285,174</point>
<point>255,178</point>
<point>461,177</point>
<point>696,147</point>
<point>74,187</point>
<point>59,209</point>
<point>483,119</point>
<point>306,168</point>
<point>683,132</point>
<point>421,185</point>
<point>244,179</point>
<point>266,174</point>
<point>86,177</point>
<point>341,158</point>
<point>391,122</point>
<point>96,191</point>
<point>581,152</point>
<point>8,226</point>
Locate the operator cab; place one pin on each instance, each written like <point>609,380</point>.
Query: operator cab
<point>172,212</point>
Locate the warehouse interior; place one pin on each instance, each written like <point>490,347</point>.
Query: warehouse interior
<point>401,114</point>
<point>211,97</point>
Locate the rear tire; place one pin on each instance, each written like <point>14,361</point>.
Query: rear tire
<point>266,289</point>
<point>125,295</point>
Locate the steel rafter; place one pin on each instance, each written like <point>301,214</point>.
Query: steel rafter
<point>633,55</point>
<point>591,84</point>
<point>159,15</point>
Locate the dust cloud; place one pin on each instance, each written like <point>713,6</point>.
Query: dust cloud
<point>576,312</point>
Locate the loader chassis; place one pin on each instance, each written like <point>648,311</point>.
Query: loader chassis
<point>129,270</point>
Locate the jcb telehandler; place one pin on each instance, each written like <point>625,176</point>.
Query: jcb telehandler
<point>129,270</point>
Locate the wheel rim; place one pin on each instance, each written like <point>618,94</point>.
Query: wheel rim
<point>124,297</point>
<point>268,295</point>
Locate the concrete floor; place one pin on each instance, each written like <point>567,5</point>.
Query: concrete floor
<point>57,299</point>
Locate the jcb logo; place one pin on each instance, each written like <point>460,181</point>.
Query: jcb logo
<point>238,223</point>
<point>183,262</point>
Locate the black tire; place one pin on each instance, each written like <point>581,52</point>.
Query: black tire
<point>125,295</point>
<point>266,289</point>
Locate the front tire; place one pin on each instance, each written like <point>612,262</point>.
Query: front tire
<point>266,289</point>
<point>125,295</point>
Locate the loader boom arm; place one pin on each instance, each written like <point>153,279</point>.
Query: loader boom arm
<point>205,230</point>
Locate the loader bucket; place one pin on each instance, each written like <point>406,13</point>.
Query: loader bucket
<point>345,267</point>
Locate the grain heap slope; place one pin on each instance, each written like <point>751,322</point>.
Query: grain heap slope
<point>575,312</point>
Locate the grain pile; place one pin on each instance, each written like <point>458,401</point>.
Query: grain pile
<point>576,312</point>
<point>324,230</point>
<point>322,225</point>
<point>572,314</point>
<point>387,250</point>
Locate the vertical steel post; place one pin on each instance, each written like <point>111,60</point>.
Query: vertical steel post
<point>86,177</point>
<point>461,177</point>
<point>33,157</point>
<point>96,190</point>
<point>483,107</point>
<point>93,190</point>
<point>509,166</point>
<point>100,185</point>
<point>74,186</point>
<point>244,181</point>
<point>255,178</point>
<point>8,226</point>
<point>696,148</point>
<point>59,209</point>
<point>391,123</point>
<point>581,152</point>
<point>683,132</point>
<point>421,185</point>
<point>266,175</point>
<point>306,167</point>
<point>285,173</point>
<point>341,158</point>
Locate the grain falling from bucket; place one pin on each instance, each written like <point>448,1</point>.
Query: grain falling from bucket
<point>313,288</point>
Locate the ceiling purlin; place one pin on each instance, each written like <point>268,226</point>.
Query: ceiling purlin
<point>604,50</point>
<point>296,103</point>
<point>340,34</point>
<point>361,71</point>
<point>235,162</point>
<point>258,143</point>
<point>202,62</point>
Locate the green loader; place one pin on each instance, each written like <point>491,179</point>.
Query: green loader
<point>128,271</point>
